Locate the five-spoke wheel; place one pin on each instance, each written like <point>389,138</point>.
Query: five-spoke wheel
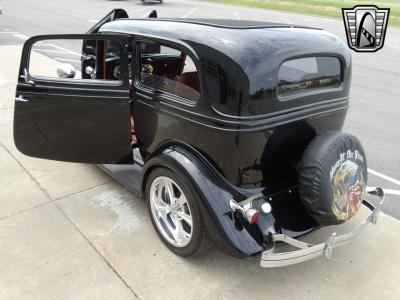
<point>173,207</point>
<point>170,211</point>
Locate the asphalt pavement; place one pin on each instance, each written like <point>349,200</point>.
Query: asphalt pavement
<point>375,102</point>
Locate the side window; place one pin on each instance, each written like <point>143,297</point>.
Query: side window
<point>76,59</point>
<point>170,70</point>
<point>303,74</point>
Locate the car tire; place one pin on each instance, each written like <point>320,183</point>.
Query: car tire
<point>332,177</point>
<point>171,218</point>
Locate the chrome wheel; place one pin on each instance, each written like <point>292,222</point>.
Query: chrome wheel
<point>171,211</point>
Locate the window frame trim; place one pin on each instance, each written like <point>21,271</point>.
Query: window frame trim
<point>124,82</point>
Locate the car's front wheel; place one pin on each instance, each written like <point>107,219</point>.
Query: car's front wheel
<point>172,203</point>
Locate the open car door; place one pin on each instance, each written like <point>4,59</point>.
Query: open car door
<point>60,115</point>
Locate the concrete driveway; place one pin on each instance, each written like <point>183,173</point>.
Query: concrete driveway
<point>68,231</point>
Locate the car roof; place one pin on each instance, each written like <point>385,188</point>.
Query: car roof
<point>234,38</point>
<point>181,29</point>
<point>256,49</point>
<point>221,23</point>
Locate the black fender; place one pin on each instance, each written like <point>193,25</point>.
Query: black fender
<point>215,195</point>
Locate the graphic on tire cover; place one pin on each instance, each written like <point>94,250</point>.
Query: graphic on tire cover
<point>348,185</point>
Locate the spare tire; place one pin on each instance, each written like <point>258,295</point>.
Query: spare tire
<point>332,177</point>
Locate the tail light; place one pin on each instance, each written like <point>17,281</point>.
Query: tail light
<point>246,211</point>
<point>252,215</point>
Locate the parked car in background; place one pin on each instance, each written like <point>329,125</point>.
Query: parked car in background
<point>230,130</point>
<point>144,1</point>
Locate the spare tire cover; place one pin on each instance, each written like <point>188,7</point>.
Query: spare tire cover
<point>332,177</point>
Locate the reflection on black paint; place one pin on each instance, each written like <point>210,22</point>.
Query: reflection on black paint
<point>299,75</point>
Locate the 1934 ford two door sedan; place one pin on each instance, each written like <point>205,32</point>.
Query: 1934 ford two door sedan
<point>231,130</point>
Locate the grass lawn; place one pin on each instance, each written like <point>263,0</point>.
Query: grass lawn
<point>330,8</point>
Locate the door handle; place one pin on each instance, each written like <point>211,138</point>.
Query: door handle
<point>26,77</point>
<point>20,98</point>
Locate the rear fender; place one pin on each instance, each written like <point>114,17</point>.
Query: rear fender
<point>214,195</point>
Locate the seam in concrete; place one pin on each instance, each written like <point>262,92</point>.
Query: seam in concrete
<point>26,209</point>
<point>50,201</point>
<point>84,190</point>
<point>27,172</point>
<point>68,219</point>
<point>97,251</point>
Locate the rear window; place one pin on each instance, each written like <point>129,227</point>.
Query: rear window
<point>310,73</point>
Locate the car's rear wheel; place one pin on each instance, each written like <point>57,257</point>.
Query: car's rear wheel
<point>173,209</point>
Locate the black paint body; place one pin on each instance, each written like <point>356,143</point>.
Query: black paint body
<point>237,140</point>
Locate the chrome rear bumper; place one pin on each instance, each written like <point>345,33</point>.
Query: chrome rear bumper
<point>270,259</point>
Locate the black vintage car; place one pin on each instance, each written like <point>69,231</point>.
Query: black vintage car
<point>231,130</point>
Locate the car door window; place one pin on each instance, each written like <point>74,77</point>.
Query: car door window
<point>76,59</point>
<point>166,69</point>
